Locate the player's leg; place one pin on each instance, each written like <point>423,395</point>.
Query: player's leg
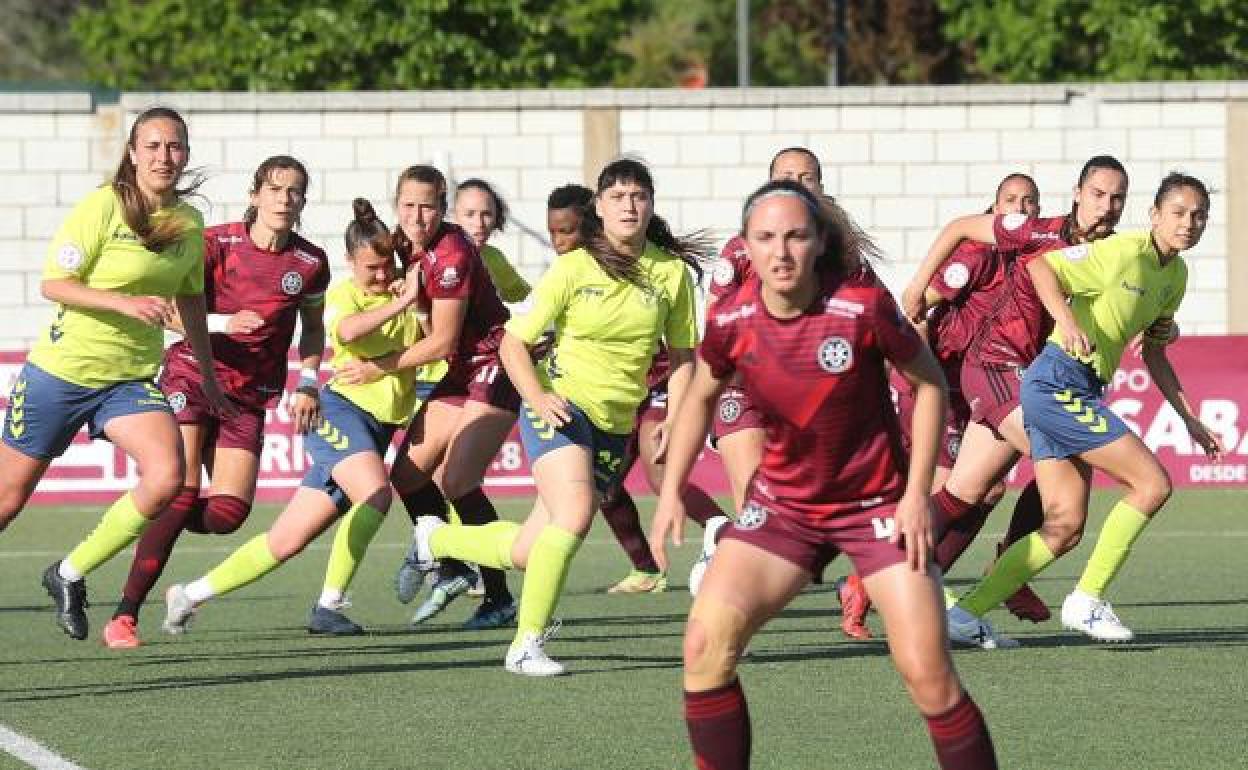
<point>423,449</point>
<point>39,425</point>
<point>620,511</point>
<point>738,435</point>
<point>19,475</point>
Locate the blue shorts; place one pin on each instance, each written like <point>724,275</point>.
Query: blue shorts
<point>345,430</point>
<point>1062,407</point>
<point>607,449</point>
<point>424,388</point>
<point>45,412</point>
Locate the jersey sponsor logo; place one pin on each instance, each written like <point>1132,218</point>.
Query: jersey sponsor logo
<point>229,240</point>
<point>69,257</point>
<point>306,257</point>
<point>292,283</point>
<point>753,516</point>
<point>836,355</point>
<point>723,273</point>
<point>843,307</point>
<point>125,234</point>
<point>745,311</point>
<point>957,275</point>
<point>1013,221</point>
<point>449,278</point>
<point>1137,290</point>
<point>177,402</point>
<point>730,410</point>
<point>1075,253</point>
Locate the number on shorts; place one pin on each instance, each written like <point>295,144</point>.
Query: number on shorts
<point>488,374</point>
<point>884,528</point>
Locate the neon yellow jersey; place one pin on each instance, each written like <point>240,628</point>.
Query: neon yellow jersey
<point>392,399</point>
<point>1118,288</point>
<point>95,246</point>
<point>607,331</point>
<point>511,285</point>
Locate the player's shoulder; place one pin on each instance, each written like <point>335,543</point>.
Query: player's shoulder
<point>736,307</point>
<point>227,234</point>
<point>342,292</point>
<point>307,252</point>
<point>734,249</point>
<point>453,243</point>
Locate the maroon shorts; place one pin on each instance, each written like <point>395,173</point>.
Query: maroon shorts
<point>861,534</point>
<point>734,412</point>
<point>242,431</point>
<point>481,379</point>
<point>991,391</point>
<point>956,418</point>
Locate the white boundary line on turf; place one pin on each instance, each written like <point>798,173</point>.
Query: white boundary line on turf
<point>33,753</point>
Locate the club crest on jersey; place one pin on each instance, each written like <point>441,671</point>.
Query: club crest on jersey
<point>723,273</point>
<point>956,275</point>
<point>729,410</point>
<point>953,445</point>
<point>449,278</point>
<point>69,257</point>
<point>177,401</point>
<point>752,516</point>
<point>292,283</point>
<point>836,355</point>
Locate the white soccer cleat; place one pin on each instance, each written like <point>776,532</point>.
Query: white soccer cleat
<point>710,537</point>
<point>529,658</point>
<point>970,631</point>
<point>179,610</point>
<point>421,551</point>
<point>1094,617</point>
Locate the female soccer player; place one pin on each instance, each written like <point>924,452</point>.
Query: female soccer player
<point>1101,295</point>
<point>481,211</point>
<point>366,319</point>
<point>454,437</point>
<point>124,252</point>
<point>611,302</point>
<point>808,341</point>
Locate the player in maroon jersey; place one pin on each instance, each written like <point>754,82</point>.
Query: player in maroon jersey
<point>1012,336</point>
<point>260,278</point>
<point>454,436</point>
<point>809,343</point>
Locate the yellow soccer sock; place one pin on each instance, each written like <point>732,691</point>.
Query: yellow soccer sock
<point>1123,525</point>
<point>120,526</point>
<point>488,545</point>
<point>252,561</point>
<point>1018,564</point>
<point>549,562</point>
<point>355,532</point>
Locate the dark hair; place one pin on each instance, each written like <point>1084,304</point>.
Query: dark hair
<point>771,168</point>
<point>1010,178</point>
<point>366,229</point>
<point>1176,180</point>
<point>156,236</point>
<point>263,171</point>
<point>1096,163</point>
<point>846,245</point>
<point>570,196</point>
<point>500,206</point>
<point>426,175</point>
<point>692,249</point>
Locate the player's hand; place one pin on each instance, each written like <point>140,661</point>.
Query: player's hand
<point>913,303</point>
<point>357,372</point>
<point>1074,341</point>
<point>661,435</point>
<point>155,311</point>
<point>1163,331</point>
<point>218,404</point>
<point>552,408</point>
<point>409,288</point>
<point>669,521</point>
<point>306,409</point>
<point>244,322</point>
<point>1207,439</point>
<point>912,526</point>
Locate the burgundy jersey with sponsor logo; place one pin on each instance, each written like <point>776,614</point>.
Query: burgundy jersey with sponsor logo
<point>239,275</point>
<point>970,282</point>
<point>833,444</point>
<point>451,268</point>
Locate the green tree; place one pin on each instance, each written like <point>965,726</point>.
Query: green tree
<point>34,47</point>
<point>1063,40</point>
<point>352,44</point>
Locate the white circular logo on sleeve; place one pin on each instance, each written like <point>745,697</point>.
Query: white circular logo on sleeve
<point>177,401</point>
<point>723,273</point>
<point>449,278</point>
<point>292,283</point>
<point>957,275</point>
<point>1075,253</point>
<point>69,257</point>
<point>836,355</point>
<point>1013,221</point>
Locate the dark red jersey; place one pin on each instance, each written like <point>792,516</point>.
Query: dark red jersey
<point>731,269</point>
<point>451,268</point>
<point>660,368</point>
<point>970,282</point>
<point>833,444</point>
<point>239,275</point>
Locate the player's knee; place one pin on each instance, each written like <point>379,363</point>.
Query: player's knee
<point>224,514</point>
<point>933,688</point>
<point>162,481</point>
<point>1152,492</point>
<point>1063,527</point>
<point>709,656</point>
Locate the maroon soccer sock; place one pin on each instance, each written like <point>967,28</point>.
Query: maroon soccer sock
<point>426,501</point>
<point>719,727</point>
<point>948,509</point>
<point>1028,514</point>
<point>699,506</point>
<point>220,515</point>
<point>621,514</point>
<point>475,509</point>
<point>959,535</point>
<point>960,737</point>
<point>153,549</point>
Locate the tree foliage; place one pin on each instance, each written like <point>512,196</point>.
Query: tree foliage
<point>1117,40</point>
<point>33,46</point>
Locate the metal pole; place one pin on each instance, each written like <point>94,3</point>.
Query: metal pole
<point>743,43</point>
<point>836,41</point>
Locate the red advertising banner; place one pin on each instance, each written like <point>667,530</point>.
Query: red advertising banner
<point>1214,371</point>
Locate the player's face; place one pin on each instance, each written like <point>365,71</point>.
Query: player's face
<point>564,226</point>
<point>474,211</point>
<point>419,211</point>
<point>159,153</point>
<point>280,199</point>
<point>1180,220</point>
<point>1017,196</point>
<point>1100,199</point>
<point>371,271</point>
<point>783,242</point>
<point>625,209</point>
<point>798,167</point>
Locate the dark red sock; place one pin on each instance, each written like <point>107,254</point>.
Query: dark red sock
<point>961,738</point>
<point>426,501</point>
<point>475,509</point>
<point>960,534</point>
<point>1028,514</point>
<point>719,727</point>
<point>220,515</point>
<point>947,510</point>
<point>153,549</point>
<point>699,506</point>
<point>621,514</point>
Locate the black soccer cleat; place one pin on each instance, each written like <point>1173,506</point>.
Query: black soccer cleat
<point>71,601</point>
<point>332,623</point>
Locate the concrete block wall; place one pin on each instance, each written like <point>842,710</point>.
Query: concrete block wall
<point>902,160</point>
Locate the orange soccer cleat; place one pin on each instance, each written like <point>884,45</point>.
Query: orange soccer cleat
<point>854,606</point>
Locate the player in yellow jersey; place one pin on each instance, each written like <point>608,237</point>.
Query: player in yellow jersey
<point>610,302</point>
<point>364,318</point>
<point>1101,295</point>
<point>125,257</point>
<point>481,211</point>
